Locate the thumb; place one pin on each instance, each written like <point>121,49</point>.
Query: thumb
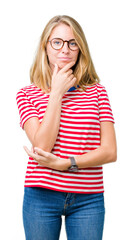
<point>55,70</point>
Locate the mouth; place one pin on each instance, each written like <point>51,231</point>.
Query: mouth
<point>64,59</point>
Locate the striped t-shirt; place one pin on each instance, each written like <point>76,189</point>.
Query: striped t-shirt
<point>79,133</point>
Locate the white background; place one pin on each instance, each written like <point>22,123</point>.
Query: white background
<point>108,26</point>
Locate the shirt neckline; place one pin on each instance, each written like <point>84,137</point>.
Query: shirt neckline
<point>72,88</point>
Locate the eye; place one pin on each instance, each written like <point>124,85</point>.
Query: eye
<point>73,43</point>
<point>57,42</point>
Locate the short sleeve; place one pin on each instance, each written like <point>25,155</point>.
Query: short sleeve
<point>105,111</point>
<point>26,108</point>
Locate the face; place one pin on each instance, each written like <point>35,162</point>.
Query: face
<point>64,55</point>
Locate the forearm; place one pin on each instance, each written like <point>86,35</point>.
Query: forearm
<point>105,153</point>
<point>97,157</point>
<point>47,132</point>
<point>94,158</point>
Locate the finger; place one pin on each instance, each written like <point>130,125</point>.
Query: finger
<point>67,66</point>
<point>55,70</point>
<point>41,152</point>
<point>69,72</point>
<point>32,149</point>
<point>27,150</point>
<point>72,82</point>
<point>72,78</point>
<point>30,154</point>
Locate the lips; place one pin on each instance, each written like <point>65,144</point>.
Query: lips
<point>64,59</point>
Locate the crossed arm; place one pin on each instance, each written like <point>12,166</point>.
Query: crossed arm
<point>107,152</point>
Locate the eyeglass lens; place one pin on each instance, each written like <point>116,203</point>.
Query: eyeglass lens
<point>58,43</point>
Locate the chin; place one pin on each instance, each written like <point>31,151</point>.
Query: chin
<point>62,64</point>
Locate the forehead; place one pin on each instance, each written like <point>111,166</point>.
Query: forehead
<point>62,31</point>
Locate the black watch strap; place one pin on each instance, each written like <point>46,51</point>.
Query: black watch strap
<point>73,162</point>
<point>74,167</point>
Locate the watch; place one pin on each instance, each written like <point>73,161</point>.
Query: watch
<point>74,167</point>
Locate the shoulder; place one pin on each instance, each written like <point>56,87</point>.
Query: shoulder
<point>28,90</point>
<point>24,92</point>
<point>97,87</point>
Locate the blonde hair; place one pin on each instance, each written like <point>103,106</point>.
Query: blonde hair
<point>84,71</point>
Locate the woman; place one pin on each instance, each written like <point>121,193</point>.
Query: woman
<point>67,117</point>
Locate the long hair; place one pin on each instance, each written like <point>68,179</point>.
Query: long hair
<point>84,71</point>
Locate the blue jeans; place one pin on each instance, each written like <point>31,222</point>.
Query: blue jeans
<point>43,208</point>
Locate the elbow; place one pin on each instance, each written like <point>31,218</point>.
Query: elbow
<point>43,147</point>
<point>113,155</point>
<point>110,154</point>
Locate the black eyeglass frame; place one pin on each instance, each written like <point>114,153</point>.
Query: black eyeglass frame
<point>63,43</point>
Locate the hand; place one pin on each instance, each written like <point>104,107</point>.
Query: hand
<point>63,80</point>
<point>47,159</point>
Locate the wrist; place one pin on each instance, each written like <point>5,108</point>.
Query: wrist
<point>74,166</point>
<point>55,96</point>
<point>66,164</point>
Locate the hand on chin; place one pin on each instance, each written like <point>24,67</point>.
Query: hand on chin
<point>62,64</point>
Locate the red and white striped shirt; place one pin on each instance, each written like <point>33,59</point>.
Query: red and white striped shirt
<point>79,133</point>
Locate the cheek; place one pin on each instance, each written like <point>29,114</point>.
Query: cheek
<point>51,56</point>
<point>76,55</point>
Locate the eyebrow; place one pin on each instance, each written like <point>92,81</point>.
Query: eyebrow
<point>64,40</point>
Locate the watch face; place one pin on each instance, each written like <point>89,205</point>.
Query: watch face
<point>73,168</point>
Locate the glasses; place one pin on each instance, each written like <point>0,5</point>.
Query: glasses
<point>58,43</point>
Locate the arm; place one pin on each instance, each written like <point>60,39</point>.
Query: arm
<point>106,153</point>
<point>44,135</point>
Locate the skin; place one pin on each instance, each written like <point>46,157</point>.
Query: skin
<point>65,55</point>
<point>61,62</point>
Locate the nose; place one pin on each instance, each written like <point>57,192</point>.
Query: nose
<point>65,47</point>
